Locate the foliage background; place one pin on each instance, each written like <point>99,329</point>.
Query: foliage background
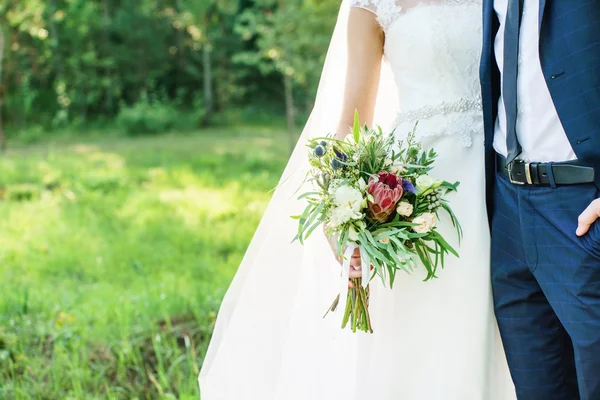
<point>141,139</point>
<point>77,61</point>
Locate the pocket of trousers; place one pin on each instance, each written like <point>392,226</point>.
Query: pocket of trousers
<point>591,239</point>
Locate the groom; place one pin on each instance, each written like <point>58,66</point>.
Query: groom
<point>540,75</point>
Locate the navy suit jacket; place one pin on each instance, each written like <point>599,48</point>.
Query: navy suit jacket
<point>570,59</point>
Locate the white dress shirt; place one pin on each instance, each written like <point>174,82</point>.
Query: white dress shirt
<point>539,129</point>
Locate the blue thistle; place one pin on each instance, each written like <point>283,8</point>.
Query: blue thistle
<point>340,154</point>
<point>323,143</point>
<point>407,186</point>
<point>319,151</point>
<point>336,164</point>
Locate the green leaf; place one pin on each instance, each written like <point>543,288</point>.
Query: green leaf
<point>313,227</point>
<point>367,239</point>
<point>454,219</point>
<point>314,215</point>
<point>308,194</point>
<point>302,223</point>
<point>425,260</point>
<point>356,128</point>
<point>392,278</point>
<point>450,186</point>
<point>440,239</point>
<point>396,224</point>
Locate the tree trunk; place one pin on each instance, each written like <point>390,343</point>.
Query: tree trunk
<point>58,63</point>
<point>290,109</point>
<point>2,137</point>
<point>58,66</point>
<point>208,87</point>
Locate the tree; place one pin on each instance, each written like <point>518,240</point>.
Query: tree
<point>291,38</point>
<point>203,21</point>
<point>78,60</point>
<point>108,76</point>
<point>2,136</point>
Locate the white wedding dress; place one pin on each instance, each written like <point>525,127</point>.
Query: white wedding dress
<point>434,340</point>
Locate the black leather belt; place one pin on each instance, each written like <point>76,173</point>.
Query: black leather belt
<point>533,173</point>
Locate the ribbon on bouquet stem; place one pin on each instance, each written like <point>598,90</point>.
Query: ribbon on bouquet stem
<point>365,263</point>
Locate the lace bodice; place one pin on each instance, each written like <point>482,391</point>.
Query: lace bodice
<point>387,11</point>
<point>433,48</point>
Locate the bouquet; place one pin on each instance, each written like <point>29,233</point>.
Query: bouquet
<point>374,193</point>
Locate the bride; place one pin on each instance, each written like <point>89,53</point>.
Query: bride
<point>437,340</point>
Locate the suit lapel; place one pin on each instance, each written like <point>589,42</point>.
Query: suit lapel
<point>542,11</point>
<point>487,68</point>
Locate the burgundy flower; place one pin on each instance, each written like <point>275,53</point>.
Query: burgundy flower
<point>386,189</point>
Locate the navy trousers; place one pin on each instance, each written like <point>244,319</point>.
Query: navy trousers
<point>546,285</point>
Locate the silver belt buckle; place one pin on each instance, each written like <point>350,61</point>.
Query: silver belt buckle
<point>528,173</point>
<point>528,179</point>
<point>509,167</point>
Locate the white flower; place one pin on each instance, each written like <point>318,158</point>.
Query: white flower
<point>348,204</point>
<point>398,170</point>
<point>342,214</point>
<point>426,221</point>
<point>362,184</point>
<point>348,196</point>
<point>424,182</point>
<point>333,185</point>
<point>336,218</point>
<point>405,209</point>
<point>388,162</point>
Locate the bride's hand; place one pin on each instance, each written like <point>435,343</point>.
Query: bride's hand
<point>355,267</point>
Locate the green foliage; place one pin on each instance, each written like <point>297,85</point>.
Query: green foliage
<point>32,134</point>
<point>73,61</point>
<point>291,38</point>
<point>22,192</point>
<point>146,117</point>
<point>115,255</point>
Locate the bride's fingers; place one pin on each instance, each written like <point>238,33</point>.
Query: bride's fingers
<point>355,273</point>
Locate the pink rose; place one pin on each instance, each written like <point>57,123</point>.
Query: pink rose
<point>386,189</point>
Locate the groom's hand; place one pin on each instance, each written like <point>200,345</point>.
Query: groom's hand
<point>588,217</point>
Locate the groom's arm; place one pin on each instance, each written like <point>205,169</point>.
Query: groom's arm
<point>588,217</point>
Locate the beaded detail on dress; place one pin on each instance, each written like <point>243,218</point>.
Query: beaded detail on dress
<point>444,108</point>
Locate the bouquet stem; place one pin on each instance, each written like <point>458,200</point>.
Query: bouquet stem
<point>357,308</point>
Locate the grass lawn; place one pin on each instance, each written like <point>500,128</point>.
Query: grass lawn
<point>115,253</point>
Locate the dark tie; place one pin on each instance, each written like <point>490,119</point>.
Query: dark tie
<point>509,75</point>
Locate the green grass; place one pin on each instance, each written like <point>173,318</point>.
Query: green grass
<point>115,253</point>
